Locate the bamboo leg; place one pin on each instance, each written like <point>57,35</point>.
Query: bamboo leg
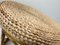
<point>6,40</point>
<point>15,43</point>
<point>3,37</point>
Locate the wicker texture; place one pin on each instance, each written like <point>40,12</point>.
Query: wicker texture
<point>27,25</point>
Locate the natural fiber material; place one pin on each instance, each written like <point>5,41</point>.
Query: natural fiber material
<point>27,26</point>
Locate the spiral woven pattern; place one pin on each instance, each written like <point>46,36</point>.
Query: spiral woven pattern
<point>27,25</point>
